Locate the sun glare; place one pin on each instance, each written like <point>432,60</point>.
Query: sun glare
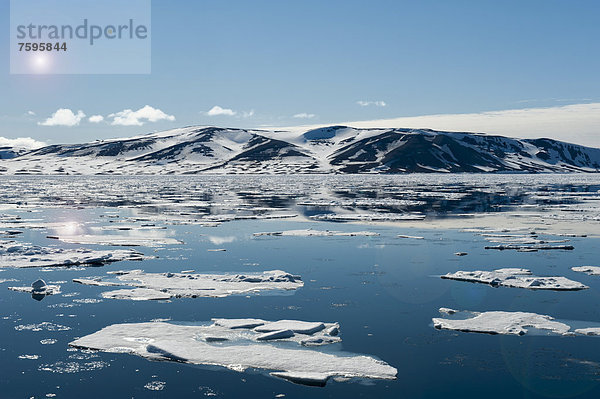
<point>40,63</point>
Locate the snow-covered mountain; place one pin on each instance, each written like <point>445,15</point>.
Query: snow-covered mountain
<point>334,149</point>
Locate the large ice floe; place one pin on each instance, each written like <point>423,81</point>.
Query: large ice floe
<point>148,286</point>
<point>285,348</point>
<point>591,270</point>
<point>20,255</point>
<point>518,278</point>
<point>317,233</point>
<point>508,323</point>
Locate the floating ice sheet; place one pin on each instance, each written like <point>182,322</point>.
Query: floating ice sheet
<point>21,255</point>
<point>498,322</point>
<point>518,278</point>
<point>509,323</point>
<point>38,287</point>
<point>116,240</point>
<point>591,270</point>
<point>188,285</point>
<point>367,217</point>
<point>235,344</point>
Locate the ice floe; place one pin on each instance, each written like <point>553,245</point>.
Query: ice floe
<point>531,248</point>
<point>498,322</point>
<point>593,331</point>
<point>591,270</point>
<point>238,345</point>
<point>187,285</point>
<point>317,233</point>
<point>367,217</point>
<point>120,241</point>
<point>43,326</point>
<point>21,255</point>
<point>29,357</point>
<point>137,294</point>
<point>509,323</point>
<point>38,289</point>
<point>517,278</point>
<point>155,385</point>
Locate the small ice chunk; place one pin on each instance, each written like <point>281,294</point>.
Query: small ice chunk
<point>411,237</point>
<point>333,331</point>
<point>460,253</point>
<point>155,385</point>
<point>300,327</point>
<point>38,289</point>
<point>29,357</point>
<point>238,323</point>
<point>279,334</point>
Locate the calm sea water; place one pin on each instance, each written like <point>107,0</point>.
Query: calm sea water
<point>382,290</point>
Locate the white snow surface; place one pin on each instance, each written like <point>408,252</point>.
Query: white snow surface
<point>236,349</point>
<point>205,149</point>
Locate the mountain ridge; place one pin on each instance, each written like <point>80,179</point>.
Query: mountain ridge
<point>329,149</point>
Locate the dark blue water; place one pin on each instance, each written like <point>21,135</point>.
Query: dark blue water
<point>382,290</point>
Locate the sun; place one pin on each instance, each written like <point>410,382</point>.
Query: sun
<point>40,63</point>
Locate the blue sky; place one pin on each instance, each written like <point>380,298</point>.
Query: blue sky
<point>268,61</point>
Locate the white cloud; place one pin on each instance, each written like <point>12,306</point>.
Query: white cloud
<point>248,114</point>
<point>217,111</point>
<point>304,115</point>
<point>21,142</point>
<point>63,117</point>
<point>30,113</point>
<point>96,118</point>
<point>576,123</point>
<point>129,117</point>
<point>369,103</point>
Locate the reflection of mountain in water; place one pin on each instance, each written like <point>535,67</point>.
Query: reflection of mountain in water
<point>435,195</point>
